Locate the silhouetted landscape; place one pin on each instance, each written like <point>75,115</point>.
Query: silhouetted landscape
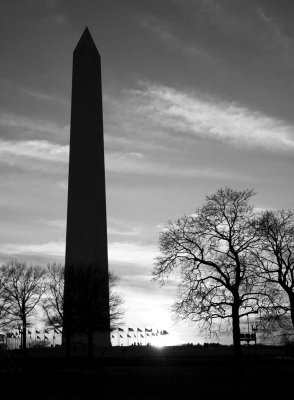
<point>147,247</point>
<point>146,373</point>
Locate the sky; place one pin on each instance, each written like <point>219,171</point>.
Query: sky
<point>197,95</point>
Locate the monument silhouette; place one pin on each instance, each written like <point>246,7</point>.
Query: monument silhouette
<point>86,295</point>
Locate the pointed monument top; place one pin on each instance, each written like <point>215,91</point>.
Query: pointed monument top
<point>86,43</point>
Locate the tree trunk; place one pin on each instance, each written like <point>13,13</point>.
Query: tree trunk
<point>236,332</point>
<point>24,337</point>
<point>291,299</point>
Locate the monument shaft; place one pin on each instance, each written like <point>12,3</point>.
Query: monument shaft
<point>86,261</point>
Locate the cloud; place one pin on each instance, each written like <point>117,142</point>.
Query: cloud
<point>36,149</point>
<point>34,155</point>
<point>171,37</point>
<point>118,232</point>
<point>24,154</point>
<point>130,163</point>
<point>56,249</point>
<point>159,29</point>
<point>51,12</point>
<point>56,223</point>
<point>120,227</point>
<point>173,117</point>
<point>211,118</point>
<point>43,96</point>
<point>263,16</point>
<point>62,185</point>
<point>133,253</point>
<point>213,27</point>
<point>30,126</point>
<point>118,252</point>
<point>117,229</point>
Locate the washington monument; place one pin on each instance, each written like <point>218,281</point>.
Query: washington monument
<point>86,299</point>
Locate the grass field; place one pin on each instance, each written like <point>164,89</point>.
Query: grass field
<point>148,373</point>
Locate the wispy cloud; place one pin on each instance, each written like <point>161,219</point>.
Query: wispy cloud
<point>43,96</point>
<point>55,223</point>
<point>31,127</point>
<point>257,23</point>
<point>36,149</point>
<point>218,25</point>
<point>121,227</point>
<point>119,232</point>
<point>212,118</point>
<point>131,163</point>
<point>54,14</point>
<point>172,116</point>
<point>133,253</point>
<point>63,185</point>
<point>118,252</point>
<point>34,155</point>
<point>158,28</point>
<point>170,37</point>
<point>54,248</point>
<point>115,229</point>
<point>23,154</point>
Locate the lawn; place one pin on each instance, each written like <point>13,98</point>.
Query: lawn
<point>148,373</point>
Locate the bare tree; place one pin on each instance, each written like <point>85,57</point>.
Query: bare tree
<point>276,262</point>
<point>22,291</point>
<point>115,301</point>
<point>5,319</point>
<point>212,252</point>
<point>274,327</point>
<point>53,298</point>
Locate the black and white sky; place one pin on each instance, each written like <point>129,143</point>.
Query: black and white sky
<point>197,95</point>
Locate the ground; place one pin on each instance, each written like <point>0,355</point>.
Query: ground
<point>148,373</point>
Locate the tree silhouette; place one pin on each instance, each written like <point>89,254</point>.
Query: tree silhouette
<point>276,262</point>
<point>22,291</point>
<point>212,252</point>
<point>53,298</point>
<point>5,318</point>
<point>116,301</point>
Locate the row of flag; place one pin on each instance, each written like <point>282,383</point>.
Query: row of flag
<point>140,333</point>
<point>148,332</point>
<point>37,332</point>
<point>157,332</point>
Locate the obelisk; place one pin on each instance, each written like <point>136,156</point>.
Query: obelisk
<point>86,235</point>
